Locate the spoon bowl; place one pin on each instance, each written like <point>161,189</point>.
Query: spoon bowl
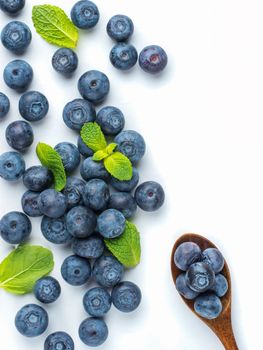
<point>222,325</point>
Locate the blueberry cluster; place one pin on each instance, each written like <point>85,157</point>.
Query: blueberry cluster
<point>201,279</point>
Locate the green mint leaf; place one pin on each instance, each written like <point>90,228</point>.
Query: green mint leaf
<point>52,160</point>
<point>99,155</point>
<point>54,26</point>
<point>119,166</point>
<point>93,137</point>
<point>126,248</point>
<point>110,148</point>
<point>20,270</point>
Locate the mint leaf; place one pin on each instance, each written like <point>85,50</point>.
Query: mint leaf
<point>52,160</point>
<point>110,148</point>
<point>54,26</point>
<point>20,270</point>
<point>126,248</point>
<point>93,137</point>
<point>119,166</point>
<point>104,153</point>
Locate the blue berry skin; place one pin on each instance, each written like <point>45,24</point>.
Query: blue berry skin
<point>111,223</point>
<point>65,61</point>
<point>123,56</point>
<point>12,166</point>
<point>73,181</point>
<point>96,194</point>
<point>97,302</point>
<point>33,106</point>
<point>47,290</point>
<point>200,277</point>
<point>153,59</point>
<point>126,186</point>
<point>183,288</point>
<point>93,331</point>
<point>214,258</point>
<point>220,286</point>
<point>131,144</point>
<point>186,254</point>
<point>59,341</point>
<point>107,271</point>
<point>31,320</point>
<point>15,227</point>
<point>85,14</point>
<point>84,150</point>
<point>208,306</point>
<point>52,203</point>
<point>90,169</point>
<point>76,270</point>
<point>69,154</point>
<point>16,37</point>
<point>81,222</point>
<point>11,7</point>
<point>111,120</point>
<point>19,135</point>
<point>94,86</point>
<point>78,112</point>
<point>4,105</point>
<point>149,196</point>
<point>124,202</point>
<point>37,178</point>
<point>73,196</point>
<point>91,247</point>
<point>55,230</point>
<point>126,296</point>
<point>29,203</point>
<point>120,28</point>
<point>18,75</point>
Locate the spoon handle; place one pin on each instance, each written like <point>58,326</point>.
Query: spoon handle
<point>226,335</point>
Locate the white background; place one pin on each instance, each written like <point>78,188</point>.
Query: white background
<point>202,121</point>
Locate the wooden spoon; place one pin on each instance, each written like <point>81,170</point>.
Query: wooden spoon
<point>222,325</point>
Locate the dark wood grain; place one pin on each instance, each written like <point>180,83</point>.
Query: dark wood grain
<point>221,326</point>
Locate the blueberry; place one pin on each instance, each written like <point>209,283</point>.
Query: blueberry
<point>124,202</point>
<point>12,166</point>
<point>83,148</point>
<point>31,320</point>
<point>107,271</point>
<point>33,106</point>
<point>15,227</point>
<point>12,7</point>
<point>73,196</point>
<point>16,37</point>
<point>131,144</point>
<point>120,28</point>
<point>123,56</point>
<point>19,135</point>
<point>47,290</point>
<point>153,59</point>
<point>69,154</point>
<point>96,194</point>
<point>208,306</point>
<point>214,258</point>
<point>18,75</point>
<point>73,181</point>
<point>220,286</point>
<point>149,196</point>
<point>81,222</point>
<point>200,277</point>
<point>55,230</point>
<point>126,186</point>
<point>183,288</point>
<point>37,178</point>
<point>111,120</point>
<point>65,61</point>
<point>97,301</point>
<point>186,254</point>
<point>4,105</point>
<point>52,203</point>
<point>30,204</point>
<point>126,296</point>
<point>59,341</point>
<point>94,86</point>
<point>111,223</point>
<point>91,247</point>
<point>76,270</point>
<point>90,169</point>
<point>93,331</point>
<point>85,14</point>
<point>78,112</point>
